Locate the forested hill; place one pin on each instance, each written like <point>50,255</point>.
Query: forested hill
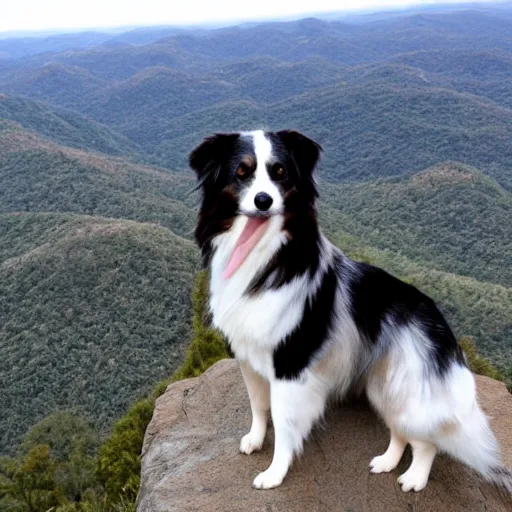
<point>413,110</point>
<point>385,95</point>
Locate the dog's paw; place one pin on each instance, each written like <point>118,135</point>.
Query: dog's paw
<point>250,443</point>
<point>268,479</point>
<point>383,464</point>
<point>413,480</point>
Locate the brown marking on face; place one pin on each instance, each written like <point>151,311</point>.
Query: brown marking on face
<point>229,191</point>
<point>249,161</point>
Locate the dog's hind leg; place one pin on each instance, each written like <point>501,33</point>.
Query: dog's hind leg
<point>296,405</point>
<point>258,389</point>
<point>390,459</point>
<point>416,477</point>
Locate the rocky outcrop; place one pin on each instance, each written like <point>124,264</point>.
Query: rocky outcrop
<point>191,460</point>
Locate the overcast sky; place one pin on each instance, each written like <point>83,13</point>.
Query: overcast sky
<point>66,14</point>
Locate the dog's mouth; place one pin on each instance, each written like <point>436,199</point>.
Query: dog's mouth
<point>261,214</point>
<point>254,229</point>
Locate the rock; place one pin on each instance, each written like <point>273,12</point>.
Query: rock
<point>191,460</point>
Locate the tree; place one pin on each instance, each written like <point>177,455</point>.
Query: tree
<point>73,444</point>
<point>28,484</point>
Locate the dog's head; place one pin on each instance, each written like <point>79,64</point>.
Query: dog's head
<point>256,174</point>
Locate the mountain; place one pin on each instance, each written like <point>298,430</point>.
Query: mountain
<point>350,43</point>
<point>267,79</point>
<point>120,63</point>
<point>17,47</point>
<point>367,131</point>
<point>63,179</point>
<point>65,86</point>
<point>380,130</point>
<point>461,64</point>
<point>480,72</point>
<point>96,212</point>
<point>63,126</point>
<point>384,96</point>
<point>147,35</point>
<point>92,312</point>
<point>450,216</point>
<point>98,308</point>
<point>154,91</point>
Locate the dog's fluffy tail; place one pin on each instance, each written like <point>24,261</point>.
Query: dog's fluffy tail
<point>473,443</point>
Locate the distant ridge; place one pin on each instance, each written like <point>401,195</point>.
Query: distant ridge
<point>64,127</point>
<point>75,181</point>
<point>450,215</point>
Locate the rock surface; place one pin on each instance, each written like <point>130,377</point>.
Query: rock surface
<point>191,460</point>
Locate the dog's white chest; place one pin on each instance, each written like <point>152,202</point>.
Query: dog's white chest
<point>253,324</point>
<point>262,320</point>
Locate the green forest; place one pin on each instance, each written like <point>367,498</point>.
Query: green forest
<point>64,464</point>
<point>102,301</point>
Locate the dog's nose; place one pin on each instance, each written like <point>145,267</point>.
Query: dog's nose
<point>263,201</point>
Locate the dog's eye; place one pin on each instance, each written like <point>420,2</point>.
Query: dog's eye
<point>242,172</point>
<point>278,173</point>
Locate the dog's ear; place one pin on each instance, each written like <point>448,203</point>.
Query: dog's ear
<point>207,159</point>
<point>305,152</point>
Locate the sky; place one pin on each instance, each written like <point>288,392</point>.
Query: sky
<point>26,15</point>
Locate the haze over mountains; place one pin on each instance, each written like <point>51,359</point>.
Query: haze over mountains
<point>414,112</point>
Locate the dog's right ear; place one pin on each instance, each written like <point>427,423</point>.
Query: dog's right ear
<point>206,160</point>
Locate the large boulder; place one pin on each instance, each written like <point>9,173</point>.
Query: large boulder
<point>191,460</point>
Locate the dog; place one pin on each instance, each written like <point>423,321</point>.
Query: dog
<point>305,322</point>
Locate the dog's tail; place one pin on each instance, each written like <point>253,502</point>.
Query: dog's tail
<point>473,443</point>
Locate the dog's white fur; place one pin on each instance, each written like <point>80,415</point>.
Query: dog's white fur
<point>262,181</point>
<point>420,408</point>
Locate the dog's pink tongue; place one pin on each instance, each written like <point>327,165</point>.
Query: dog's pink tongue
<point>253,231</point>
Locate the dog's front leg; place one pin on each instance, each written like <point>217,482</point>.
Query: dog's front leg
<point>258,389</point>
<point>296,405</point>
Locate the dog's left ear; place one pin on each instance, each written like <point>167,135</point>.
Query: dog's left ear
<point>209,156</point>
<point>305,152</point>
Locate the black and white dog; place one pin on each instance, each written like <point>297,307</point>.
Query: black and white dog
<point>305,322</point>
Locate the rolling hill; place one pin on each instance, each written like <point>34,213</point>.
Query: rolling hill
<point>64,86</point>
<point>450,216</point>
<point>40,176</point>
<point>64,127</point>
<point>93,312</point>
<point>367,131</point>
<point>384,95</point>
<point>120,63</point>
<point>97,308</point>
<point>17,47</point>
<point>155,91</point>
<point>462,64</point>
<point>267,79</point>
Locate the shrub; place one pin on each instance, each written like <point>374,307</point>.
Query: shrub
<point>477,363</point>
